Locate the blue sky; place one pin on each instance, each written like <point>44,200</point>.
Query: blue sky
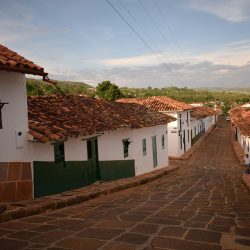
<point>195,43</point>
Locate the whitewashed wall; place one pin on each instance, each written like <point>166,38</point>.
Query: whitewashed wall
<point>111,148</point>
<point>75,150</point>
<point>244,142</point>
<point>174,140</point>
<point>14,118</point>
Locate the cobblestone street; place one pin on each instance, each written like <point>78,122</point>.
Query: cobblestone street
<point>204,205</point>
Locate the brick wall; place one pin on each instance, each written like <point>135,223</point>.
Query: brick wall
<point>15,181</point>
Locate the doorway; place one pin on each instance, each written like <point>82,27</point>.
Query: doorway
<point>154,147</point>
<point>93,160</point>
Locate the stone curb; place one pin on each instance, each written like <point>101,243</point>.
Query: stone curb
<point>192,150</point>
<point>76,196</point>
<point>246,180</point>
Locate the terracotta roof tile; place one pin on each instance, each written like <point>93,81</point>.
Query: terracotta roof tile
<point>57,117</point>
<point>159,103</point>
<point>11,61</point>
<point>200,112</point>
<point>240,116</point>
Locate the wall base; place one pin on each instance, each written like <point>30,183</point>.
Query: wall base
<point>15,181</point>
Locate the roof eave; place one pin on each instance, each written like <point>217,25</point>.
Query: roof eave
<point>24,71</point>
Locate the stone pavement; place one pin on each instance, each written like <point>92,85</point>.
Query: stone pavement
<point>204,205</point>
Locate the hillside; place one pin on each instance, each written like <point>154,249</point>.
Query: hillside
<point>40,87</point>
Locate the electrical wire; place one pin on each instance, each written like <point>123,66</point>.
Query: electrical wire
<point>169,28</point>
<point>142,39</point>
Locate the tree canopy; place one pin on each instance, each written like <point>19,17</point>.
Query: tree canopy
<point>108,91</point>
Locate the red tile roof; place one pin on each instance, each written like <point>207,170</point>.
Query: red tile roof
<point>200,112</point>
<point>159,103</point>
<point>11,61</point>
<point>57,117</point>
<point>240,117</point>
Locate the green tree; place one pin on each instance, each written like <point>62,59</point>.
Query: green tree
<point>108,91</point>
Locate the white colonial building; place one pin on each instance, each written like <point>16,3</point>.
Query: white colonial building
<point>77,140</point>
<point>203,118</point>
<point>179,131</point>
<point>240,118</point>
<point>56,143</point>
<point>15,157</point>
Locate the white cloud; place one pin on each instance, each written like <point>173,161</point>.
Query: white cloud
<point>230,10</point>
<point>236,53</point>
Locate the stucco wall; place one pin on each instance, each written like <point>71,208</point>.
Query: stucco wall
<point>14,118</point>
<point>111,147</point>
<point>174,138</point>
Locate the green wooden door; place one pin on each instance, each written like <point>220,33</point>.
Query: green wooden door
<point>154,148</point>
<point>92,150</point>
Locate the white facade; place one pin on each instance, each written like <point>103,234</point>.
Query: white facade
<point>244,141</point>
<point>110,148</point>
<point>203,124</point>
<point>179,135</point>
<point>14,146</point>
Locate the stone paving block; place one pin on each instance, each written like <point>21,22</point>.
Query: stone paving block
<point>173,231</point>
<point>44,228</point>
<point>133,238</point>
<point>145,228</point>
<point>23,235</point>
<point>182,244</point>
<point>115,224</point>
<point>8,244</point>
<point>244,242</point>
<point>50,237</point>
<point>195,224</point>
<point>77,243</point>
<point>99,233</point>
<point>203,235</point>
<point>219,228</point>
<point>243,231</point>
<point>163,221</point>
<point>120,246</point>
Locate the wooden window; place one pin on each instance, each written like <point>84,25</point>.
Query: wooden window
<point>125,143</point>
<point>144,147</point>
<point>59,152</point>
<point>162,141</point>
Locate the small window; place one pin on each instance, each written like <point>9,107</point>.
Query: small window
<point>125,143</point>
<point>144,147</point>
<point>59,152</point>
<point>162,141</point>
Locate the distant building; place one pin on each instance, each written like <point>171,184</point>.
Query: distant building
<point>179,135</point>
<point>240,118</point>
<point>202,119</point>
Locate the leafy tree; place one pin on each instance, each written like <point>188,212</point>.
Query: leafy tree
<point>108,91</point>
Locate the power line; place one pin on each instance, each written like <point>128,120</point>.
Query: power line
<point>141,27</point>
<point>141,38</point>
<point>168,26</point>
